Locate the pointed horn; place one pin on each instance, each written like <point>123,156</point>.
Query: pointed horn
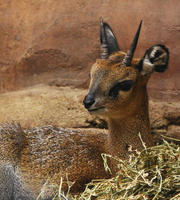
<point>103,39</point>
<point>128,57</point>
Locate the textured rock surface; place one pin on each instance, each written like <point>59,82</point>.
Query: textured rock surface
<point>173,131</point>
<point>165,118</point>
<point>57,41</point>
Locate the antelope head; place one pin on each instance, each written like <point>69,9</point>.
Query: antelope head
<point>118,82</point>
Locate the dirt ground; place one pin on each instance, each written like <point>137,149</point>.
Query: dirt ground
<point>62,106</point>
<point>42,104</point>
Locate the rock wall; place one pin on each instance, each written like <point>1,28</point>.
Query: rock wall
<point>56,42</point>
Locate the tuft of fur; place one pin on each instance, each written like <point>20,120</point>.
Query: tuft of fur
<point>11,185</point>
<point>12,142</point>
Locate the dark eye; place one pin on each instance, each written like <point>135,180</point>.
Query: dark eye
<point>124,86</point>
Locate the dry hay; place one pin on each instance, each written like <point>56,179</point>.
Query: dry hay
<point>152,174</point>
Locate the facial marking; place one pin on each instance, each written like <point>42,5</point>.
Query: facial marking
<point>120,86</point>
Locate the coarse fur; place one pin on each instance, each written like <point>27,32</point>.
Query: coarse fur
<point>11,185</point>
<point>50,153</point>
<point>118,93</point>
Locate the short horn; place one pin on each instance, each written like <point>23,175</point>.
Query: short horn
<point>103,39</point>
<point>129,56</point>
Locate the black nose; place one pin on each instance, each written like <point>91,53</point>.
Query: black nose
<point>88,101</point>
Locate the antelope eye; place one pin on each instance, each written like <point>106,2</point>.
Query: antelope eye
<point>124,86</point>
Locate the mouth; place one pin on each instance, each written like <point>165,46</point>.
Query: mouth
<point>96,109</point>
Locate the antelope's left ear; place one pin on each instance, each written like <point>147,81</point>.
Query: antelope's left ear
<point>156,59</point>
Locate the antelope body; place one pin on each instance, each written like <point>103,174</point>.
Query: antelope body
<point>118,92</point>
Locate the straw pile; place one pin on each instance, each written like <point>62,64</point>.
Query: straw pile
<point>151,174</point>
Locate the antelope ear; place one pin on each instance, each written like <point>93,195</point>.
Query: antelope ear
<point>111,39</point>
<point>156,59</point>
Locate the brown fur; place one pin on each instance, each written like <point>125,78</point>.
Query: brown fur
<point>127,115</point>
<point>51,152</point>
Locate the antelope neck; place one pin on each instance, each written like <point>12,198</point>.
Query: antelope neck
<point>125,132</point>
